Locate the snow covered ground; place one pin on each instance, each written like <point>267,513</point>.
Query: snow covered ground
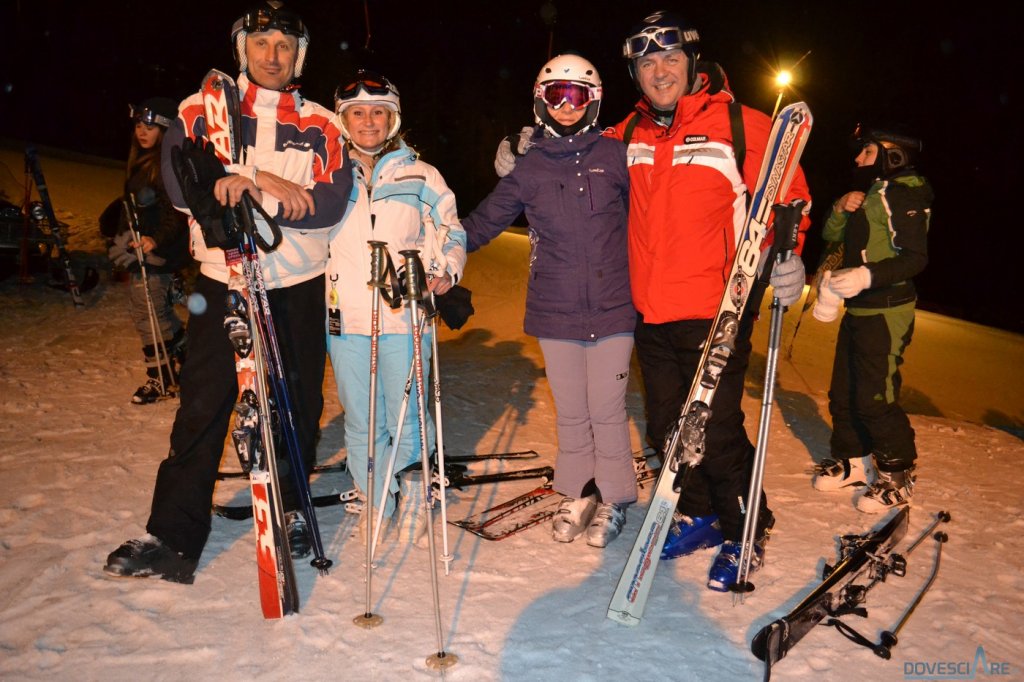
<point>77,463</point>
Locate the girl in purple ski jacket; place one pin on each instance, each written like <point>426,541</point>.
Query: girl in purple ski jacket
<point>573,186</point>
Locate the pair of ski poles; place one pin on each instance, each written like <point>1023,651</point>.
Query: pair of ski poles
<point>159,347</point>
<point>381,269</point>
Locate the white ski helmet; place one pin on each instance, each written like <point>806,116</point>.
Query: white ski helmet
<point>567,79</point>
<point>269,16</point>
<point>369,88</point>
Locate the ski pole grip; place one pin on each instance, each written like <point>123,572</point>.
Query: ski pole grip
<point>378,253</point>
<point>415,276</point>
<point>786,227</point>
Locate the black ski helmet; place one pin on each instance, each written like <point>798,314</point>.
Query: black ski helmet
<point>898,151</point>
<point>268,16</point>
<point>160,111</point>
<point>662,31</point>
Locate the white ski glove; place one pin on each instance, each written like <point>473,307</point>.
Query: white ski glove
<point>826,308</point>
<point>505,159</point>
<point>787,280</point>
<point>849,282</point>
<point>121,254</point>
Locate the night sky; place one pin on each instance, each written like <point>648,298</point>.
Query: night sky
<point>465,71</point>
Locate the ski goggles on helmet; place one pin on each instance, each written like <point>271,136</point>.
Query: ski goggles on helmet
<point>557,93</point>
<point>267,19</point>
<point>148,116</point>
<point>370,82</point>
<point>673,38</point>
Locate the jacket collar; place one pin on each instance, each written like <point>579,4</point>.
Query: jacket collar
<point>689,106</point>
<point>254,96</point>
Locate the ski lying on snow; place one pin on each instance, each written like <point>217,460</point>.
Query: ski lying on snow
<point>534,507</point>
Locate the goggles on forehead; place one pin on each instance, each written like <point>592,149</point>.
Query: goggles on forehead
<point>665,38</point>
<point>263,19</point>
<point>576,95</point>
<point>148,116</point>
<point>372,83</point>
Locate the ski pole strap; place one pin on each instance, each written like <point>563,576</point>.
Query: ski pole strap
<point>851,634</point>
<point>250,205</point>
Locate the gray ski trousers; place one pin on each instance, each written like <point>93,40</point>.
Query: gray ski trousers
<point>588,380</point>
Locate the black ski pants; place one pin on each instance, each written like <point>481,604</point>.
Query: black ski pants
<point>183,496</point>
<point>865,390</point>
<point>669,355</point>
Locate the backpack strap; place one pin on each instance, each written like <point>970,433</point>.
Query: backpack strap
<point>627,135</point>
<point>739,140</point>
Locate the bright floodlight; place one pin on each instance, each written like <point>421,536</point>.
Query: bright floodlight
<point>783,78</point>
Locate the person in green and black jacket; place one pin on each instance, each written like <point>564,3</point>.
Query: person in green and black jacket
<point>884,230</point>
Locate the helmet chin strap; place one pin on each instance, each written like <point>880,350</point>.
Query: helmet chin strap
<point>369,152</point>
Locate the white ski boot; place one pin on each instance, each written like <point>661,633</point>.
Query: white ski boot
<point>892,489</point>
<point>606,525</point>
<point>831,474</point>
<point>573,517</point>
<point>411,514</point>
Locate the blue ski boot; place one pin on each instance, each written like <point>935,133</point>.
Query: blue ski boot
<point>726,568</point>
<point>687,534</point>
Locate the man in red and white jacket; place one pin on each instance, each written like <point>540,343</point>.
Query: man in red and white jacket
<point>688,194</point>
<point>295,167</point>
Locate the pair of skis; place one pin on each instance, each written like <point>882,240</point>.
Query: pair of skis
<point>457,477</point>
<point>92,276</point>
<point>263,391</point>
<point>843,590</point>
<point>533,507</point>
<point>684,446</point>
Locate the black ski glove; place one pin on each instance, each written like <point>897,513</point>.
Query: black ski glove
<point>197,169</point>
<point>455,306</point>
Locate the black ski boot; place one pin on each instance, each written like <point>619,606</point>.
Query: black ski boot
<point>298,535</point>
<point>149,556</point>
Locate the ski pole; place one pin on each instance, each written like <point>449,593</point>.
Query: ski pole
<point>889,638</point>
<point>378,253</point>
<point>446,557</point>
<point>415,278</point>
<point>159,348</point>
<point>395,442</point>
<point>787,224</point>
<point>279,384</point>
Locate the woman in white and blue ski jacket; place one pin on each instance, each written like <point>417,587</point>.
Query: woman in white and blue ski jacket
<point>400,200</point>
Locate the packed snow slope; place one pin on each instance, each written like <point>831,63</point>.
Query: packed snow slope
<point>78,461</point>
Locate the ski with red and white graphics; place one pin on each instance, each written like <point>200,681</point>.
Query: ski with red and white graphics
<point>252,435</point>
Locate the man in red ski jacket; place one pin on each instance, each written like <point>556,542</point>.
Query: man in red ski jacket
<point>688,194</point>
